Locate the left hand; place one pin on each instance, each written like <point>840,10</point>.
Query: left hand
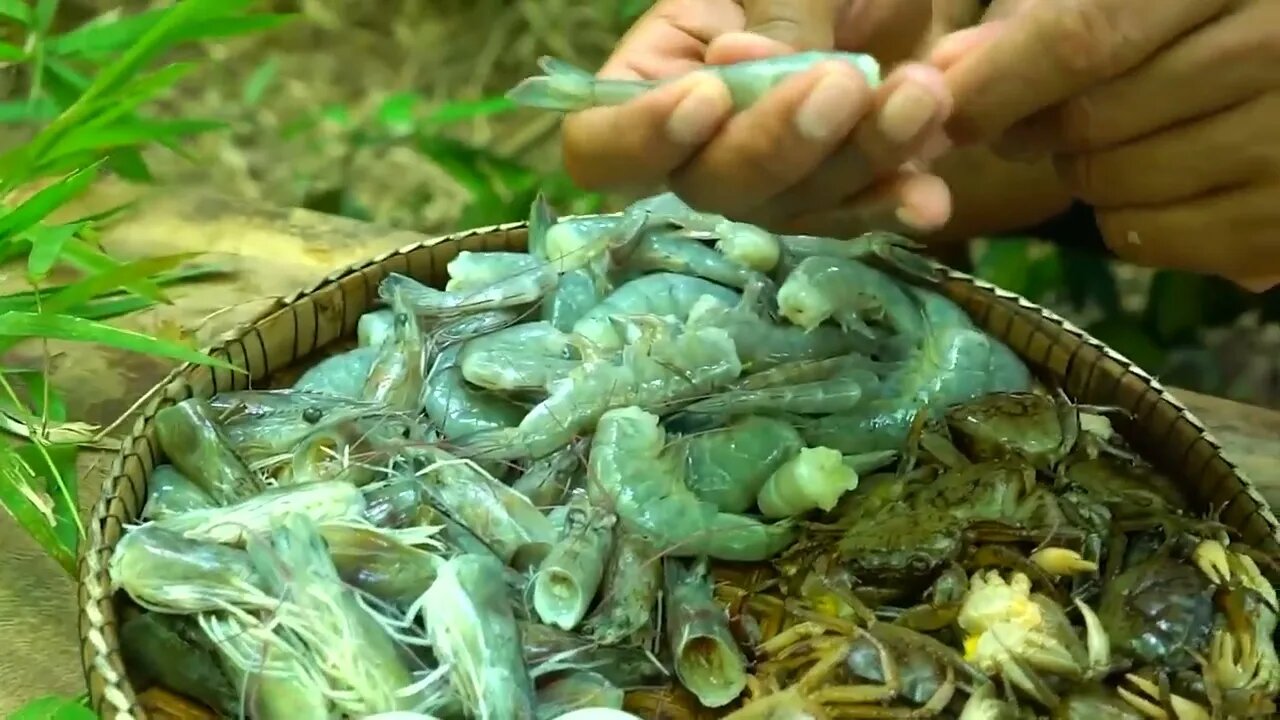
<point>1163,116</point>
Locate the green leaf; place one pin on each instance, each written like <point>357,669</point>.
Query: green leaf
<point>43,16</point>
<point>40,205</point>
<point>129,164</point>
<point>1175,307</point>
<point>52,707</point>
<point>95,285</point>
<point>1007,263</point>
<point>132,131</point>
<point>256,87</point>
<point>55,466</point>
<point>460,111</point>
<point>87,258</point>
<point>1127,336</point>
<point>40,109</point>
<point>1088,277</point>
<point>20,495</point>
<point>73,329</point>
<point>11,53</point>
<point>397,113</point>
<point>47,242</point>
<point>17,10</point>
<point>97,39</point>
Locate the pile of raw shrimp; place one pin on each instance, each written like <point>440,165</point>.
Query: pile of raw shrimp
<point>505,502</point>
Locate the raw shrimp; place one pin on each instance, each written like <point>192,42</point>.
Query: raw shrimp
<point>567,580</point>
<point>190,437</point>
<point>707,659</point>
<point>740,242</point>
<point>677,252</point>
<point>278,677</point>
<point>340,375</point>
<point>577,690</point>
<point>504,519</point>
<point>661,294</point>
<point>661,368</point>
<point>396,378</point>
<point>477,270</point>
<point>632,586</point>
<point>727,466</point>
<point>426,301</point>
<point>269,435</point>
<point>549,650</point>
<point>246,406</point>
<point>851,293</point>
<point>644,483</point>
<point>375,562</point>
<point>815,478</point>
<point>762,343</point>
<point>346,451</point>
<point>473,632</point>
<point>547,481</point>
<point>232,525</point>
<point>567,88</point>
<point>373,328</point>
<point>169,492</point>
<point>521,357</point>
<point>459,410</point>
<point>893,250</point>
<point>172,651</point>
<point>820,397</point>
<point>165,572</point>
<point>352,647</point>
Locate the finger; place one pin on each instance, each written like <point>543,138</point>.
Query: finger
<point>1051,50</point>
<point>909,111</point>
<point>765,149</point>
<point>889,30</point>
<point>639,143</point>
<point>800,24</point>
<point>908,203</point>
<point>1220,64</point>
<point>1231,234</point>
<point>671,39</point>
<point>1186,161</point>
<point>954,47</point>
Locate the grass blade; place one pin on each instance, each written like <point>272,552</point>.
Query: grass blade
<point>91,260</point>
<point>21,497</point>
<point>47,242</point>
<point>81,292</point>
<point>40,205</point>
<point>15,324</point>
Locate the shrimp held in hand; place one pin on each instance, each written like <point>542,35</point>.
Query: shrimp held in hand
<point>567,88</point>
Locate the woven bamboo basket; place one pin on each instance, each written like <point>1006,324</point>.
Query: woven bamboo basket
<point>322,319</point>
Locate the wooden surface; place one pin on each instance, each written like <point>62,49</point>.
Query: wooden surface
<point>273,252</point>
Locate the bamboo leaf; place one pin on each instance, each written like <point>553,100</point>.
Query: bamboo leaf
<point>16,10</point>
<point>55,466</point>
<point>131,132</point>
<point>52,707</point>
<point>81,292</point>
<point>85,257</point>
<point>11,53</point>
<point>461,111</point>
<point>44,202</point>
<point>97,39</point>
<point>47,242</point>
<point>17,324</point>
<point>21,497</point>
<point>27,111</point>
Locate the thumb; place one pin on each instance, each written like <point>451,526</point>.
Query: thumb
<point>800,24</point>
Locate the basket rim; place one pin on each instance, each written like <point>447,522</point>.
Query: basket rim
<point>94,587</point>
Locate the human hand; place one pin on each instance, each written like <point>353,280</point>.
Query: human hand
<point>1162,116</point>
<point>821,144</point>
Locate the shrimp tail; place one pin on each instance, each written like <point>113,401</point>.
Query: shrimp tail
<point>567,88</point>
<point>541,217</point>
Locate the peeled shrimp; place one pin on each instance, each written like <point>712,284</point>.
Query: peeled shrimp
<point>661,294</point>
<point>644,483</point>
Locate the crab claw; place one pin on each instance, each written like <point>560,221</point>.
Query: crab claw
<point>1061,561</point>
<point>1147,701</point>
<point>1096,640</point>
<point>1211,557</point>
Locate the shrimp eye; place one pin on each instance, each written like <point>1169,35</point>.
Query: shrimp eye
<point>312,415</point>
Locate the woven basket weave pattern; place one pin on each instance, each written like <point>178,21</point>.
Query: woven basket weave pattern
<point>314,319</point>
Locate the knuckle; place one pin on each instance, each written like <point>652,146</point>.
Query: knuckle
<point>1082,38</point>
<point>1082,175</point>
<point>1080,123</point>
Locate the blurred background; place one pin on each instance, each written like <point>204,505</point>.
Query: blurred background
<point>391,111</point>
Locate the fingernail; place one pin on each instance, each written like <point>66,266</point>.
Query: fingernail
<point>907,111</point>
<point>700,113</point>
<point>911,218</point>
<point>832,108</point>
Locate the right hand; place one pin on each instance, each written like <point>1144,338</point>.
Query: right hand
<point>822,151</point>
